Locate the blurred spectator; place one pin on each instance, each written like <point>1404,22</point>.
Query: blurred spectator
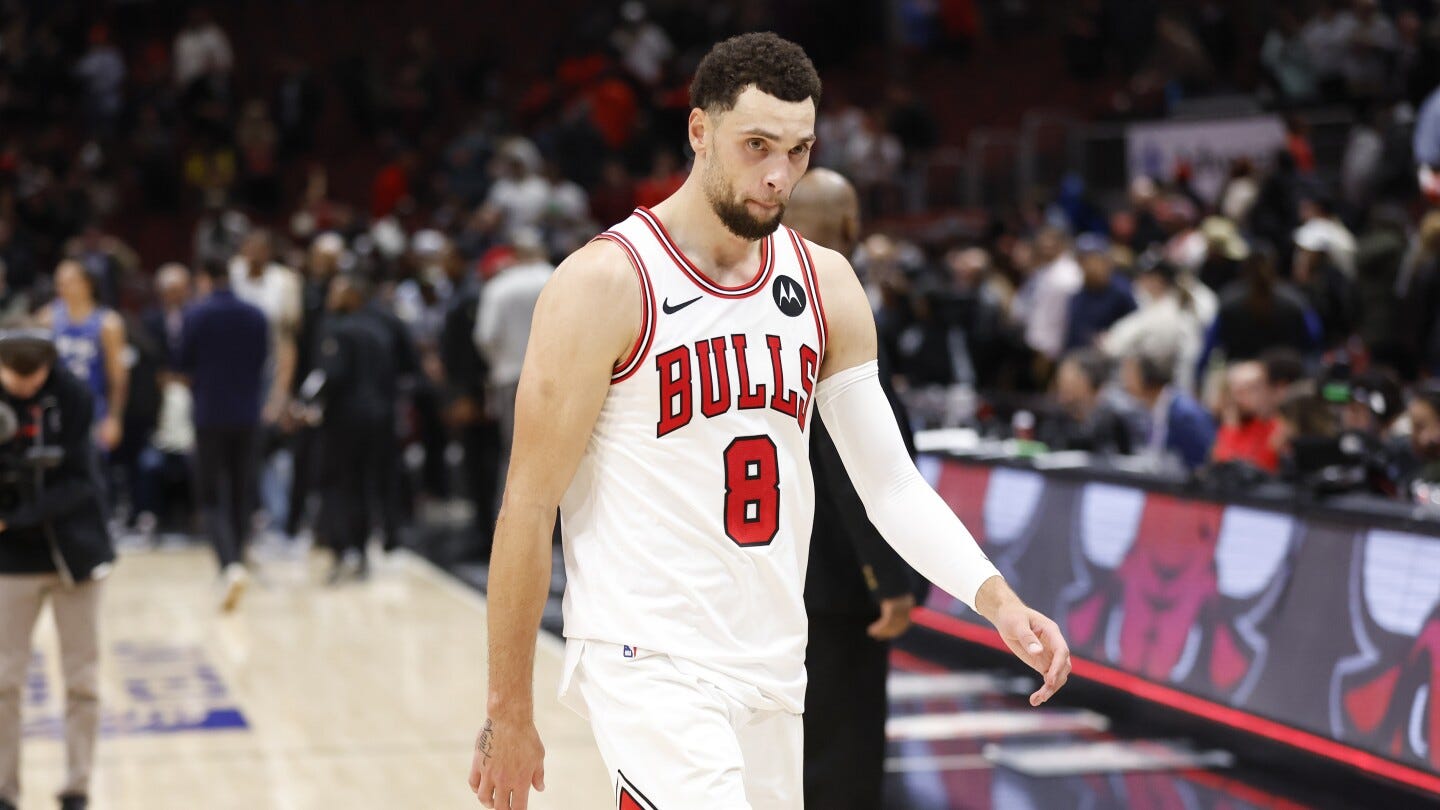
<point>297,103</point>
<point>1321,278</point>
<point>567,224</point>
<point>108,260</point>
<point>977,306</point>
<point>520,194</point>
<point>1260,313</point>
<point>1047,293</point>
<point>1166,322</point>
<point>1088,421</point>
<point>614,198</point>
<point>1305,434</point>
<point>211,169</point>
<point>1422,462</point>
<point>162,465</point>
<point>665,178</point>
<point>357,356</point>
<point>258,145</point>
<point>1247,433</point>
<point>502,330</point>
<point>1178,426</point>
<point>643,46</point>
<point>1380,252</point>
<point>1241,191</point>
<point>101,72</point>
<point>1327,39</point>
<point>1370,45</point>
<point>393,184</point>
<point>256,277</point>
<point>201,49</point>
<point>223,354</point>
<point>1225,248</point>
<point>1287,59</point>
<point>1103,298</point>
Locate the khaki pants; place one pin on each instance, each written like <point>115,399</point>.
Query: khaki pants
<point>77,617</point>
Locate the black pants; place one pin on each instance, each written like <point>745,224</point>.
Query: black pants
<point>845,710</point>
<point>303,447</point>
<point>226,481</point>
<point>481,443</point>
<point>353,454</point>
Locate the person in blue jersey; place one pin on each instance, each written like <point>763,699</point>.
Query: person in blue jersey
<point>91,342</point>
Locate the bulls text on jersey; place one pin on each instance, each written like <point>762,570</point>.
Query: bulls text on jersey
<point>702,372</point>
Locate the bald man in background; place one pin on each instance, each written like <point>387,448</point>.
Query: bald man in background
<point>858,592</point>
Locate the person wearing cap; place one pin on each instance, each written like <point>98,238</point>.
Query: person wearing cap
<point>1166,321</point>
<point>1323,269</point>
<point>1225,248</point>
<point>1103,297</point>
<point>54,547</point>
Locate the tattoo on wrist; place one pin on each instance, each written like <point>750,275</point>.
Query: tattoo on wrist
<point>485,743</point>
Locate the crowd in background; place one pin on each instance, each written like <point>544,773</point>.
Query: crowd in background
<point>1285,328</point>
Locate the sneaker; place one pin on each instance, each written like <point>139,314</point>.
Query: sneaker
<point>236,578</point>
<point>348,566</point>
<point>74,801</point>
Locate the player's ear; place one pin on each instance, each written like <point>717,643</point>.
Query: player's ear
<point>701,124</point>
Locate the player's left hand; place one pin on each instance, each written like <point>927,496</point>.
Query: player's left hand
<point>1037,641</point>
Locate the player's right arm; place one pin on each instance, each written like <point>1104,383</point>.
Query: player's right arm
<point>587,318</point>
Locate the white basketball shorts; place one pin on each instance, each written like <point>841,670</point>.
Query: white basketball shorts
<point>673,740</point>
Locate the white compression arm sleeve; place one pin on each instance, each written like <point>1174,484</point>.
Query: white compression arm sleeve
<point>909,514</point>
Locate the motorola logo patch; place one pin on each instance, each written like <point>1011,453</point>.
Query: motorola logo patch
<point>789,295</point>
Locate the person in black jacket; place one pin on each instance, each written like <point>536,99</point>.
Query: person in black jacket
<point>478,432</point>
<point>357,356</point>
<point>858,592</point>
<point>54,546</point>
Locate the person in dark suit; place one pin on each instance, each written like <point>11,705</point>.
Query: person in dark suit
<point>478,433</point>
<point>858,592</point>
<point>357,356</point>
<point>223,349</point>
<point>1179,425</point>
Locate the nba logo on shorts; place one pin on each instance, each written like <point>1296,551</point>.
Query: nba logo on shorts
<point>629,652</point>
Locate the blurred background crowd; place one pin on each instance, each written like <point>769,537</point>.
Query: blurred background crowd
<point>390,188</point>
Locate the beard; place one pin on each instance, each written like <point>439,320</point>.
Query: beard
<point>732,212</point>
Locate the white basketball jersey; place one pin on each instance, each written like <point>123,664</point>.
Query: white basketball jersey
<point>687,526</point>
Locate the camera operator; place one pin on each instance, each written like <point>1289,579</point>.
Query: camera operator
<point>53,546</point>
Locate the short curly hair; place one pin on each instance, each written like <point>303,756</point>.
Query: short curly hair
<point>774,65</point>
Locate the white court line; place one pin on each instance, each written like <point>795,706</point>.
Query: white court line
<point>1000,723</point>
<point>917,686</point>
<point>464,593</point>
<point>961,762</point>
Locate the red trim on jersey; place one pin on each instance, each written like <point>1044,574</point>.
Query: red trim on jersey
<point>762,275</point>
<point>812,284</point>
<point>625,369</point>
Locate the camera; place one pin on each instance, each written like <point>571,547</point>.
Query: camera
<point>21,463</point>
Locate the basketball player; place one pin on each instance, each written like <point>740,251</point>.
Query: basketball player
<point>91,342</point>
<point>673,365</point>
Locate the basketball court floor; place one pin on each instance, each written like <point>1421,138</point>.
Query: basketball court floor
<point>368,696</point>
<point>360,696</point>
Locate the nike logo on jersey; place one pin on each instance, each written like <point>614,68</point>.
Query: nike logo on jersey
<point>669,310</point>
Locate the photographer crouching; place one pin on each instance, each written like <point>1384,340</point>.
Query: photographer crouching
<point>54,546</point>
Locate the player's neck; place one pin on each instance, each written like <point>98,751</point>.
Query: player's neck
<point>698,231</point>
